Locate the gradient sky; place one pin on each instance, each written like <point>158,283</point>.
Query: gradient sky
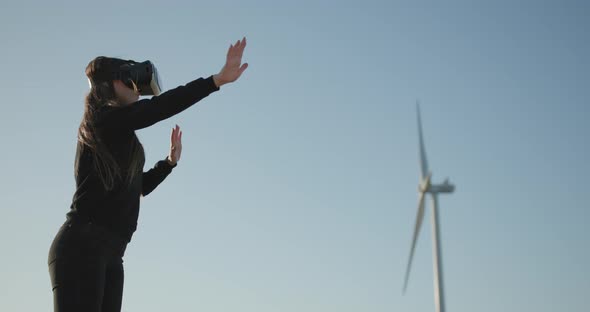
<point>297,186</point>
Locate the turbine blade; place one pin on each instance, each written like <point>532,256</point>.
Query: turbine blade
<point>419,217</point>
<point>423,161</point>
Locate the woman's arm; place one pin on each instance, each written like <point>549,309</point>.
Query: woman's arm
<point>146,112</point>
<point>153,177</point>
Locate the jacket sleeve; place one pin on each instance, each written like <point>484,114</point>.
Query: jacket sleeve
<point>146,112</point>
<point>153,177</point>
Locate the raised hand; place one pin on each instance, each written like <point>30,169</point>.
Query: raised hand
<point>175,145</point>
<point>233,68</point>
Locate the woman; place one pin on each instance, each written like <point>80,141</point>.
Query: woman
<point>86,256</point>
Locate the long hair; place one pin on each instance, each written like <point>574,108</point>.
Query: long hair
<point>102,92</point>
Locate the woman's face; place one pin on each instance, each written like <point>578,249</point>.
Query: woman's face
<point>125,95</point>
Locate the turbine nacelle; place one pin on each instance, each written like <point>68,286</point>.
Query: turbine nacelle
<point>441,188</point>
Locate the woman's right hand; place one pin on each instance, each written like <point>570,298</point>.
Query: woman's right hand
<point>233,68</point>
<point>175,146</point>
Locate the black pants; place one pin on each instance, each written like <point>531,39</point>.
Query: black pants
<point>86,268</point>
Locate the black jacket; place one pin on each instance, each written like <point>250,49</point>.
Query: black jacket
<point>118,209</point>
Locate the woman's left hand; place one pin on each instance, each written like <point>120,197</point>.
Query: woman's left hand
<point>175,146</point>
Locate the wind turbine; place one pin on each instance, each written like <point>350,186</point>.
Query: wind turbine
<point>426,187</point>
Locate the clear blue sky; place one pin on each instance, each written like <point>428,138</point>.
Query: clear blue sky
<point>297,186</point>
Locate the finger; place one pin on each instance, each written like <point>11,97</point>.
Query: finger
<point>243,68</point>
<point>243,44</point>
<point>180,137</point>
<point>241,51</point>
<point>172,136</point>
<point>229,50</point>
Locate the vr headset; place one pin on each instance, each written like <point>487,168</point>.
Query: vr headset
<point>143,76</point>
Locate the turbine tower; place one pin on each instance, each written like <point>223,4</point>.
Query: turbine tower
<point>426,187</point>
